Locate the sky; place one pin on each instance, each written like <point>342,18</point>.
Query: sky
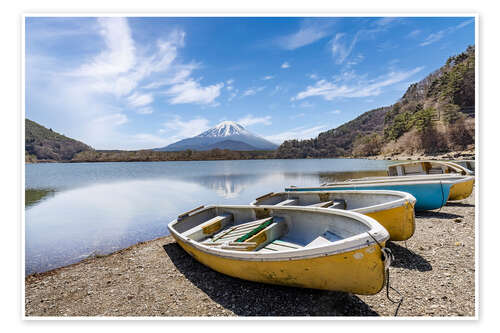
<point>145,82</point>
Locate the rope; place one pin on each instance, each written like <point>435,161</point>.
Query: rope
<point>388,258</point>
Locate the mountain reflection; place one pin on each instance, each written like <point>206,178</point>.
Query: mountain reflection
<point>227,186</point>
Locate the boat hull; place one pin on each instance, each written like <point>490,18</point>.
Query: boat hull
<point>399,221</point>
<point>429,195</point>
<point>461,190</point>
<point>360,271</point>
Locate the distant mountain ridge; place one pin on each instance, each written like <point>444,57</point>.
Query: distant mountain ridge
<point>42,143</point>
<point>226,135</point>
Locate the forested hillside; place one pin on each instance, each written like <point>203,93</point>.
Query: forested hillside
<point>435,115</point>
<point>44,144</point>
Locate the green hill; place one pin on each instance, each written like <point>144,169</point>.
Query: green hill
<point>44,144</point>
<point>435,115</point>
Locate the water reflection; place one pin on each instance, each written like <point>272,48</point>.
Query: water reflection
<point>34,196</point>
<point>90,215</point>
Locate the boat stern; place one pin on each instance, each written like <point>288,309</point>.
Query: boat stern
<point>462,189</point>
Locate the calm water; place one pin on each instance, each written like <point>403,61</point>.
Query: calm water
<point>78,210</point>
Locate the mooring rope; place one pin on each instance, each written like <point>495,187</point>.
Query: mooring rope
<point>388,258</point>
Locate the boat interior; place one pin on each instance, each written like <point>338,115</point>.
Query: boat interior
<point>328,199</point>
<point>266,229</point>
<point>423,168</point>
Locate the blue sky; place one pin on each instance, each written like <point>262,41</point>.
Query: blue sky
<point>133,83</point>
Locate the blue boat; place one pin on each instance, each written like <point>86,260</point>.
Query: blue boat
<point>430,193</point>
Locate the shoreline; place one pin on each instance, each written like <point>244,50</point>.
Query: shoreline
<point>434,271</point>
<point>457,155</point>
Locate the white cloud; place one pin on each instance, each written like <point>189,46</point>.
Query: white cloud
<point>437,36</point>
<point>307,34</point>
<point>330,91</point>
<point>119,55</point>
<point>192,92</point>
<point>299,133</point>
<point>146,110</point>
<point>313,76</point>
<point>268,77</point>
<point>115,119</point>
<point>341,48</point>
<point>137,99</point>
<point>229,85</point>
<point>285,65</point>
<point>386,20</point>
<point>250,120</point>
<point>252,91</point>
<point>414,33</point>
<point>185,129</point>
<point>334,112</point>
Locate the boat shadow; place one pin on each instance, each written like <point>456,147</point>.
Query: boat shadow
<point>405,258</point>
<point>429,214</point>
<point>459,204</point>
<point>247,298</point>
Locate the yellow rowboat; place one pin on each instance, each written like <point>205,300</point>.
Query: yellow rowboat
<point>426,168</point>
<point>394,210</point>
<point>460,189</point>
<point>307,247</point>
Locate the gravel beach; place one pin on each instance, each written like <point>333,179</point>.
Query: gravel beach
<point>434,271</point>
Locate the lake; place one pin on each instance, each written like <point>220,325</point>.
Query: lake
<point>77,210</point>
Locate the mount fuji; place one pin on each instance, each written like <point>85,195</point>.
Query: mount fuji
<point>226,135</point>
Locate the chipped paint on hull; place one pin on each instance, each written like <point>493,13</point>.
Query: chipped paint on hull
<point>360,271</point>
<point>399,221</point>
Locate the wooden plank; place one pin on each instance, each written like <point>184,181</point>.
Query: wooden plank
<point>322,204</point>
<point>289,202</point>
<point>183,215</point>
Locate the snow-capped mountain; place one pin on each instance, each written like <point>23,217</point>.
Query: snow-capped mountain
<point>226,135</point>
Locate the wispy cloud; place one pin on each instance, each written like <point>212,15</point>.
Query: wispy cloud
<point>285,65</point>
<point>268,77</point>
<point>334,112</point>
<point>192,92</point>
<point>307,34</point>
<point>250,120</point>
<point>114,119</point>
<point>300,133</point>
<point>146,110</point>
<point>306,105</point>
<point>253,90</point>
<point>437,36</point>
<point>137,99</point>
<point>179,129</point>
<point>330,91</point>
<point>414,33</point>
<point>342,47</point>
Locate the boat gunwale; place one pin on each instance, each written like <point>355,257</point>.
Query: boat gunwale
<point>383,181</point>
<point>446,163</point>
<point>403,198</point>
<point>355,242</point>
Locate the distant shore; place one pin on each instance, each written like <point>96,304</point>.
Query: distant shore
<point>139,156</point>
<point>434,271</point>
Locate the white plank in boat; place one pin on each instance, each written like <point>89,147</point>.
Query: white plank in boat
<point>322,204</point>
<point>289,202</point>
